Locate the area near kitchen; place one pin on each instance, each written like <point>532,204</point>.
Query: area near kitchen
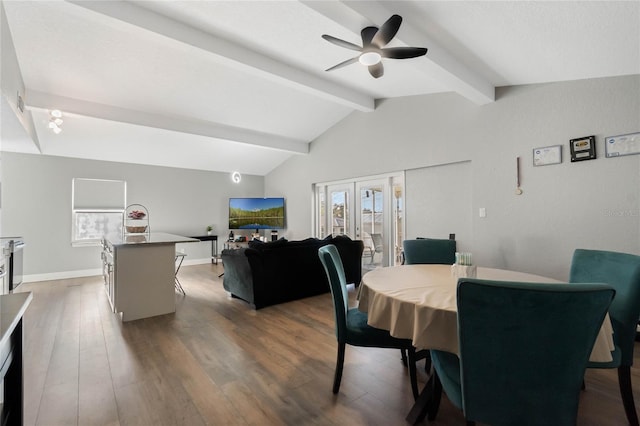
<point>139,266</point>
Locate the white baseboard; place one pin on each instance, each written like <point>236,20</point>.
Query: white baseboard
<point>91,272</point>
<point>188,261</point>
<point>61,275</point>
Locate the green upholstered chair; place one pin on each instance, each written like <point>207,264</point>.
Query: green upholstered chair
<point>524,348</point>
<point>429,251</point>
<point>351,324</point>
<point>622,272</point>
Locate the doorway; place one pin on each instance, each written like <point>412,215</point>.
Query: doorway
<point>368,209</point>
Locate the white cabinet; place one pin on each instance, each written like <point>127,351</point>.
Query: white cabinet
<point>140,281</point>
<point>143,280</point>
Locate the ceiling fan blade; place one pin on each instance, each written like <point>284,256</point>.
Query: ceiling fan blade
<point>376,70</point>
<point>387,31</point>
<point>403,52</point>
<point>341,43</point>
<point>343,64</point>
<point>367,34</point>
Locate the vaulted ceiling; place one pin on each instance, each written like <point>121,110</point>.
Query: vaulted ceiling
<point>240,85</point>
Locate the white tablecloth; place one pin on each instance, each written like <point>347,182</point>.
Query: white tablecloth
<point>418,302</point>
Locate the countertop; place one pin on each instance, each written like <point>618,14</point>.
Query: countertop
<point>12,308</point>
<point>150,238</point>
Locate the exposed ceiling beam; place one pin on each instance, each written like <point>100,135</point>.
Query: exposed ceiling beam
<point>45,101</point>
<point>441,65</point>
<point>231,54</point>
<point>12,86</point>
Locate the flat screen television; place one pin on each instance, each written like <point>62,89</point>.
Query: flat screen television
<point>256,213</point>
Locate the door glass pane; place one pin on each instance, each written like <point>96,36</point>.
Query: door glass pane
<point>322,209</point>
<point>372,225</point>
<point>340,212</point>
<point>398,220</point>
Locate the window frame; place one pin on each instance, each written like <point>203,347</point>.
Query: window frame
<point>78,240</point>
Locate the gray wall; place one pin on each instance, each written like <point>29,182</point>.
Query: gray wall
<point>589,204</point>
<point>36,200</point>
<point>447,209</point>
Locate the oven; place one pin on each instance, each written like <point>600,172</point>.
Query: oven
<point>13,250</point>
<point>108,270</point>
<point>3,279</point>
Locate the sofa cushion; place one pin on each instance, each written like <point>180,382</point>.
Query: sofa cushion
<point>261,245</point>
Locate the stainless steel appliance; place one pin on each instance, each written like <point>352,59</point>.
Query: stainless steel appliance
<point>3,273</point>
<point>108,270</point>
<point>12,248</point>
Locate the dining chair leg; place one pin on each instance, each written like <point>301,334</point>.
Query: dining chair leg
<point>626,391</point>
<point>413,375</point>
<point>403,354</point>
<point>339,364</point>
<point>419,409</point>
<point>426,355</point>
<point>434,403</point>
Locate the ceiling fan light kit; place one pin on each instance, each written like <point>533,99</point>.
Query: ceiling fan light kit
<point>369,58</point>
<point>372,51</point>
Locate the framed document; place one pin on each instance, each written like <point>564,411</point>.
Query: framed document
<point>583,148</point>
<point>616,146</point>
<point>547,155</point>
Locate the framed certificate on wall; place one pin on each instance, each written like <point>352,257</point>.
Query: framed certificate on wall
<point>583,148</point>
<point>547,155</point>
<point>616,146</point>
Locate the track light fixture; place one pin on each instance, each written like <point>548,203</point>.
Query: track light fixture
<point>55,121</point>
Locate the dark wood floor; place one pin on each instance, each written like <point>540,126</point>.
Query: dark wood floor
<point>216,361</point>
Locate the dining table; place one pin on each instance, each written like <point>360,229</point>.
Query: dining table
<point>418,302</point>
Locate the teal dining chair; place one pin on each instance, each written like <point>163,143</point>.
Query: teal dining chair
<point>622,272</point>
<point>524,348</point>
<point>429,251</point>
<point>351,324</point>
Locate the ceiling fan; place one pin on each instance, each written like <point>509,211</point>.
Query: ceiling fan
<point>372,51</point>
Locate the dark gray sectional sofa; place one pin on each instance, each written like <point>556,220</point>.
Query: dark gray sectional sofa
<point>266,274</point>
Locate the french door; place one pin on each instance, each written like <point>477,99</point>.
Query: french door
<point>372,221</point>
<point>340,212</point>
<point>367,209</point>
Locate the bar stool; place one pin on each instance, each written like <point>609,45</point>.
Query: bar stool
<point>179,259</point>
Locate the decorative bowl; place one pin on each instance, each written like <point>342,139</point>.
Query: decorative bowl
<point>136,229</point>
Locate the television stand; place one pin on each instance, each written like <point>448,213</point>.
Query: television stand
<point>214,246</point>
<point>235,245</point>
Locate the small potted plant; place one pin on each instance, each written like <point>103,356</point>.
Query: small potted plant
<point>209,229</point>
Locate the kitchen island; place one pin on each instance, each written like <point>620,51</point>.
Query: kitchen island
<point>139,272</point>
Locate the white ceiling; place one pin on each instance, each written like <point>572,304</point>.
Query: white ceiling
<point>240,85</point>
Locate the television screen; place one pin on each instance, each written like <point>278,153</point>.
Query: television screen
<point>256,213</point>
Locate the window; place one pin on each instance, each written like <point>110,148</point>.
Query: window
<point>97,206</point>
